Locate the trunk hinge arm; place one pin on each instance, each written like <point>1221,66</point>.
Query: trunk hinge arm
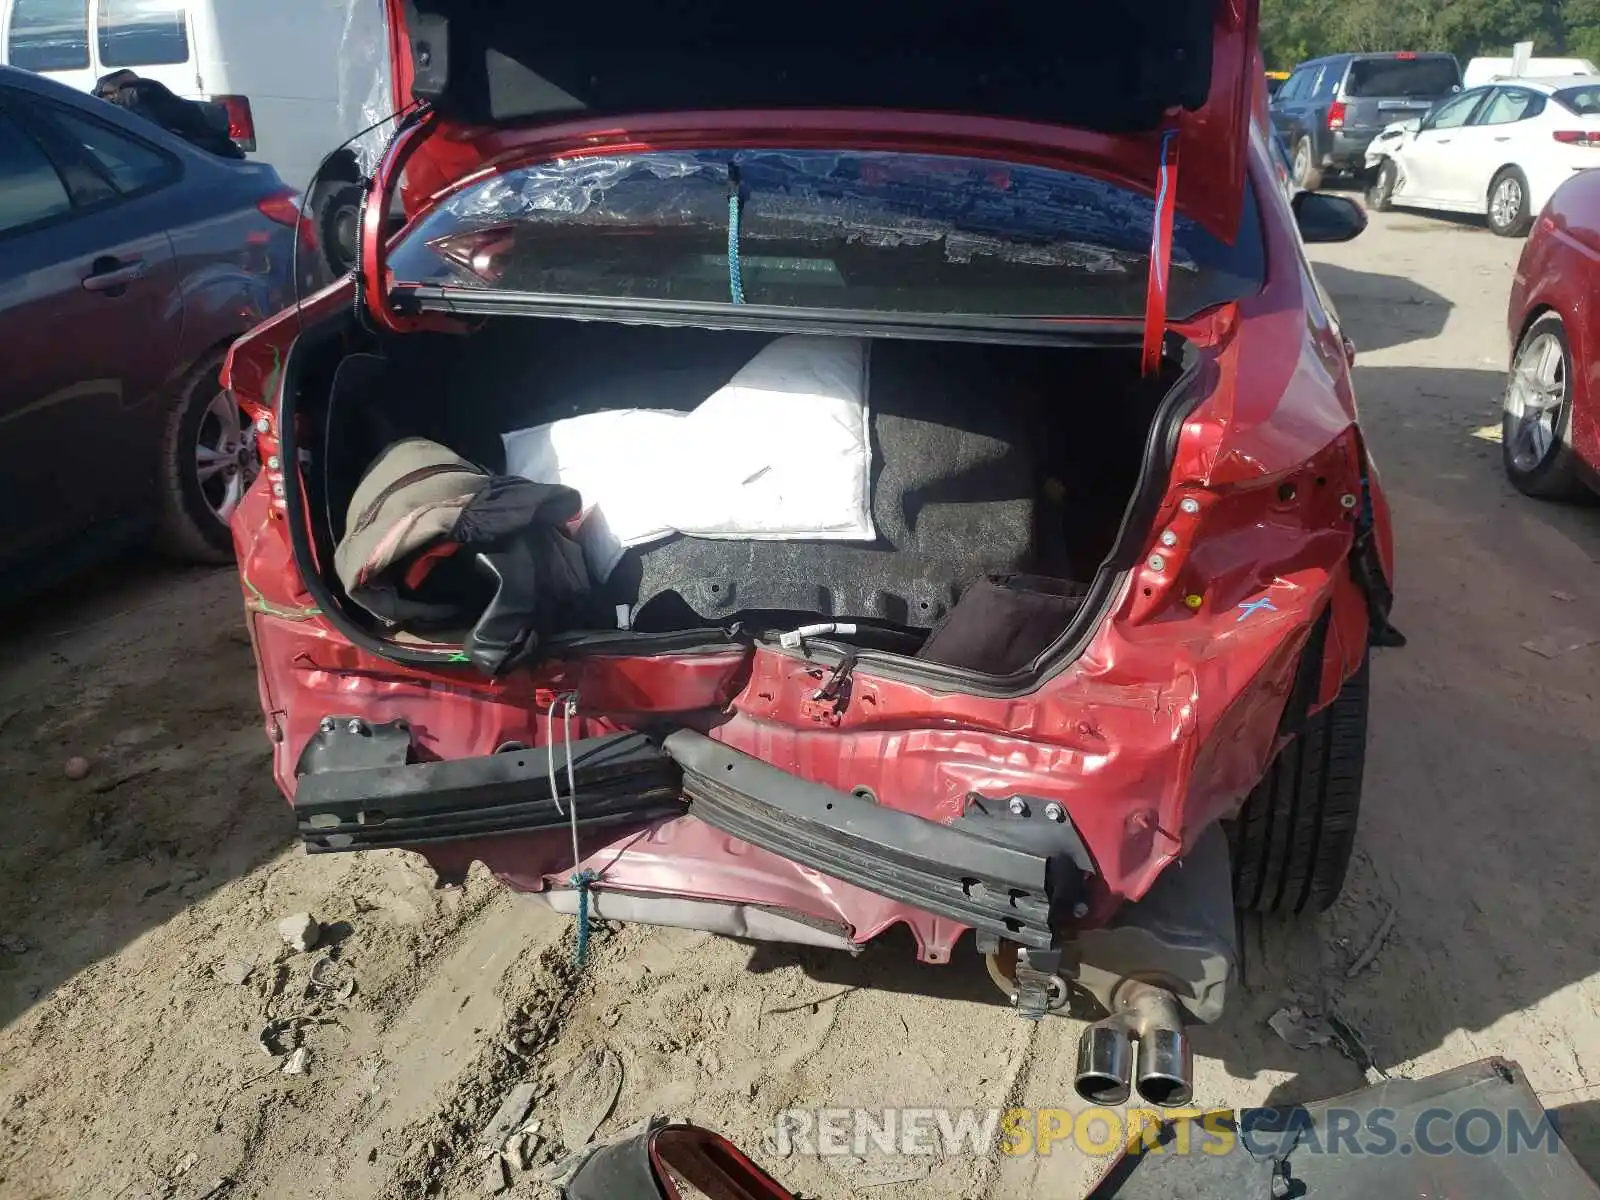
<point>371,275</point>
<point>1155,304</point>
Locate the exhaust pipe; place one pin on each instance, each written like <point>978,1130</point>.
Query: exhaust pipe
<point>1164,1075</point>
<point>1105,1063</point>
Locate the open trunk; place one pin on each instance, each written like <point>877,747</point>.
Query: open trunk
<point>1002,480</point>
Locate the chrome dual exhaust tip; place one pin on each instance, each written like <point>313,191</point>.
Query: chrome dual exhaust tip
<point>1105,1064</point>
<point>1163,1070</point>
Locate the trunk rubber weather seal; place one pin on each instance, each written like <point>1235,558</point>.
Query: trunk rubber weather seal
<point>768,318</point>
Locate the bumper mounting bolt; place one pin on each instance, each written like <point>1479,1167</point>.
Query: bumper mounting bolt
<point>1018,806</point>
<point>1347,500</point>
<point>1157,563</point>
<point>263,425</point>
<point>1168,538</point>
<point>356,726</point>
<point>1054,812</point>
<point>327,724</point>
<point>1080,910</point>
<point>1189,505</point>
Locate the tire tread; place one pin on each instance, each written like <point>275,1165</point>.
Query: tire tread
<point>1294,837</point>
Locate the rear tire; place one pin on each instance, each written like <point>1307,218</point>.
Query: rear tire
<point>1293,839</point>
<point>1508,204</point>
<point>191,528</point>
<point>1380,195</point>
<point>1307,175</point>
<point>337,210</point>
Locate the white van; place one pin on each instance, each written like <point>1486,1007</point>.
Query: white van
<point>297,77</point>
<point>1486,70</point>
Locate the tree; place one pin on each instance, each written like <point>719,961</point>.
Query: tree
<point>1294,30</point>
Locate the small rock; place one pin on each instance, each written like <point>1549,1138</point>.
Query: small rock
<point>185,1164</point>
<point>12,944</point>
<point>234,970</point>
<point>495,1177</point>
<point>77,767</point>
<point>1564,597</point>
<point>611,1018</point>
<point>615,926</point>
<point>301,931</point>
<point>297,1062</point>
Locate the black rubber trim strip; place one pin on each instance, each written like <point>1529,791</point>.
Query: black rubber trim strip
<point>623,780</point>
<point>992,887</point>
<point>838,322</point>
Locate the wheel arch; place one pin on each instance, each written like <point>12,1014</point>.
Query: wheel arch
<point>1494,177</point>
<point>1531,319</point>
<point>341,167</point>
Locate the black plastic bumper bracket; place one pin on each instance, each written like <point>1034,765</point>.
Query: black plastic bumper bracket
<point>1011,891</point>
<point>357,791</point>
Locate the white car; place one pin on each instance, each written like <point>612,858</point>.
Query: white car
<point>1499,150</point>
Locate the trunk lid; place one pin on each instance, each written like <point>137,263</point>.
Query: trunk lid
<point>1127,75</point>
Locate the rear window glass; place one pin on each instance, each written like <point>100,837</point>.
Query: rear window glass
<point>1585,101</point>
<point>49,35</point>
<point>889,232</point>
<point>1411,77</point>
<point>142,33</point>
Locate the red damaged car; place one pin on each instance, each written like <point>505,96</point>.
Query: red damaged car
<point>794,485</point>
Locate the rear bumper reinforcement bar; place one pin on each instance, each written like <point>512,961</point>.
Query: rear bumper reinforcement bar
<point>949,870</point>
<point>1005,870</point>
<point>356,790</point>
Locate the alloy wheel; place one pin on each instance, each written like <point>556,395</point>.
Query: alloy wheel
<point>224,455</point>
<point>1534,398</point>
<point>1506,202</point>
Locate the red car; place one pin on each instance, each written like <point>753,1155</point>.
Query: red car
<point>1124,551</point>
<point>1550,431</point>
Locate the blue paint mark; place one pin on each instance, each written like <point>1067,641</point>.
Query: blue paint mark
<point>1250,607</point>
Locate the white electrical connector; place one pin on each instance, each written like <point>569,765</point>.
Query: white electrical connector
<point>796,638</point>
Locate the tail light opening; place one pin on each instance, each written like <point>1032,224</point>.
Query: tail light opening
<point>1578,137</point>
<point>284,208</point>
<point>1336,112</point>
<point>241,122</point>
